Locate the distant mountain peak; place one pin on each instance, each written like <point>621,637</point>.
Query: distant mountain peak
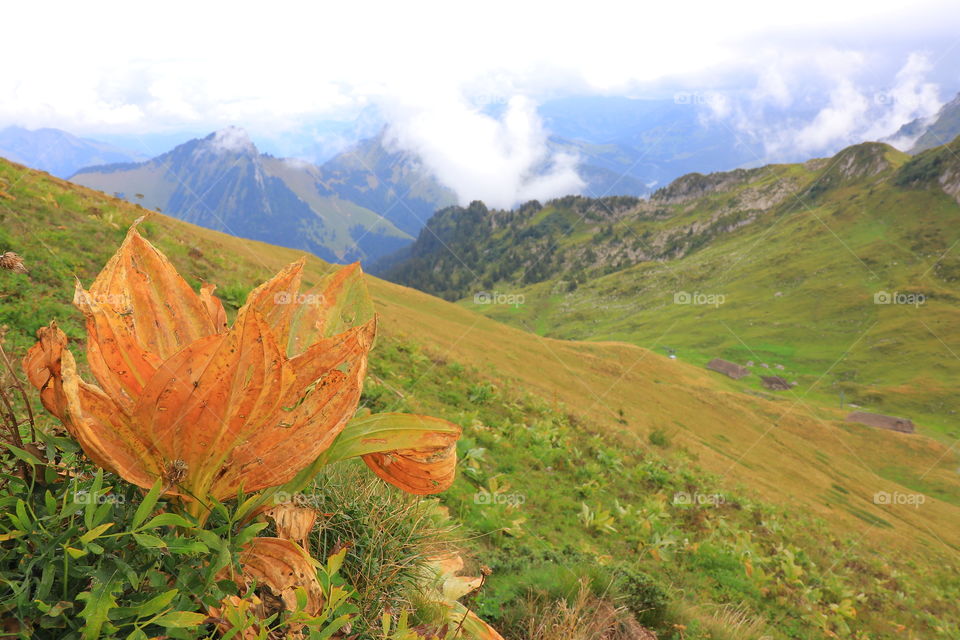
<point>929,132</point>
<point>232,140</point>
<point>222,182</point>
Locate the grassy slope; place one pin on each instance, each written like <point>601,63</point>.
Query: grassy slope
<point>339,216</point>
<point>798,290</point>
<point>778,450</point>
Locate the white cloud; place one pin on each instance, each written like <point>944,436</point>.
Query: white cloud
<point>500,161</point>
<point>837,122</point>
<point>773,86</point>
<point>120,66</point>
<point>231,140</point>
<point>911,97</point>
<point>820,101</point>
<point>130,68</point>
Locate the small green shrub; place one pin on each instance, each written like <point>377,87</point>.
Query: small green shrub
<point>659,438</point>
<point>645,598</point>
<point>390,536</point>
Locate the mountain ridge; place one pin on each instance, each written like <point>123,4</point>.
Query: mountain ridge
<point>224,183</point>
<point>936,130</point>
<point>58,152</point>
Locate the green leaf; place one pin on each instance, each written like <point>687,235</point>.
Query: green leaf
<point>95,533</point>
<point>224,557</point>
<point>179,619</point>
<point>249,533</point>
<point>335,561</point>
<point>26,456</point>
<point>386,622</point>
<point>75,553</point>
<point>167,520</point>
<point>155,605</point>
<point>208,538</point>
<point>149,541</point>
<point>387,432</point>
<point>58,609</point>
<point>333,627</point>
<point>186,546</point>
<point>301,595</point>
<point>90,507</point>
<point>50,503</point>
<point>103,511</point>
<point>99,601</point>
<point>47,575</point>
<point>67,445</point>
<point>146,506</point>
<point>22,516</point>
<point>131,576</point>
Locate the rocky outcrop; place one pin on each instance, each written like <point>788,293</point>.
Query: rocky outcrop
<point>880,421</point>
<point>696,185</point>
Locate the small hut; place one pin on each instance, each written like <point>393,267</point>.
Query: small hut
<point>893,423</point>
<point>728,368</point>
<point>775,383</point>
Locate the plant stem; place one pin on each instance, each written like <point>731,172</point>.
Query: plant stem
<point>23,394</point>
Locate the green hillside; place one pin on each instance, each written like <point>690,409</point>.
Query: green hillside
<point>392,182</point>
<point>838,275</point>
<point>704,510</point>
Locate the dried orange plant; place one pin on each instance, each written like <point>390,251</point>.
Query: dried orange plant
<point>214,409</point>
<point>210,411</point>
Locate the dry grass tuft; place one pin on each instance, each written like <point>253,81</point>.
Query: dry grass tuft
<point>12,262</point>
<point>586,618</point>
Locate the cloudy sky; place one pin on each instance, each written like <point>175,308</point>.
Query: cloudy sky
<point>433,69</point>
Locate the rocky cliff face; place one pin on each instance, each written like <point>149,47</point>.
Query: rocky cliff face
<point>934,168</point>
<point>950,180</point>
<point>696,185</point>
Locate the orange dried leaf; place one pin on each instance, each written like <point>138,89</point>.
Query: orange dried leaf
<point>283,566</point>
<point>214,307</point>
<point>415,453</point>
<point>292,522</point>
<point>91,417</point>
<point>338,302</point>
<point>210,409</point>
<point>141,294</point>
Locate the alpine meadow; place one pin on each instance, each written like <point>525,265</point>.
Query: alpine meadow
<point>496,322</point>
